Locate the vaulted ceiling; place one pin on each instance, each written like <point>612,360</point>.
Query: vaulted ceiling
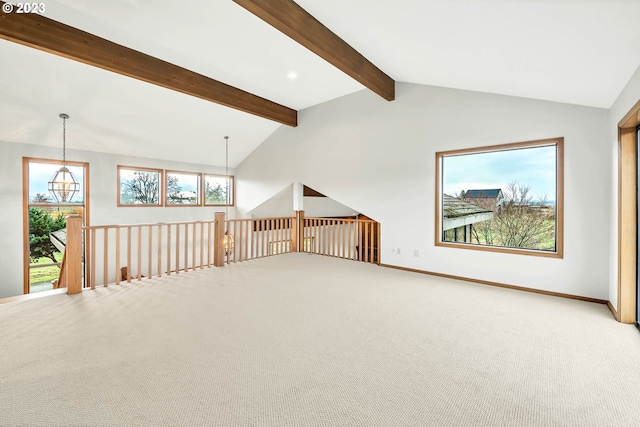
<point>575,51</point>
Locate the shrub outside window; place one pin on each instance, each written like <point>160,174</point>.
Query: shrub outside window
<point>216,190</point>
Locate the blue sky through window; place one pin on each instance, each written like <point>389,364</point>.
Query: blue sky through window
<point>533,166</point>
<point>41,173</point>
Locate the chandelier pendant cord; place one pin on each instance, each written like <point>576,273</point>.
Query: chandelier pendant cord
<point>64,139</point>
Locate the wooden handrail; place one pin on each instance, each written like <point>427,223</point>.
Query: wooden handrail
<point>100,227</point>
<point>260,237</point>
<point>133,251</point>
<point>156,249</point>
<point>348,238</point>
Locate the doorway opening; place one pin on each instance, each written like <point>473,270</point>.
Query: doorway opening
<point>44,222</point>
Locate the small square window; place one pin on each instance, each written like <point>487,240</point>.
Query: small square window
<point>139,186</point>
<point>183,189</point>
<point>218,190</point>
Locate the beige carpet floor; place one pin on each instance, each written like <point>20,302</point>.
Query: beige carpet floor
<point>305,340</point>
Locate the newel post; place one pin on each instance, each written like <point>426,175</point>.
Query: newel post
<point>297,228</point>
<point>218,241</point>
<point>73,255</point>
<point>300,231</point>
<point>294,231</point>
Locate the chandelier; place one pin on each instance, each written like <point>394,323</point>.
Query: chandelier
<point>228,240</point>
<point>63,185</point>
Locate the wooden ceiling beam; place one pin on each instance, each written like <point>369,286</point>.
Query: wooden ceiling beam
<point>292,20</point>
<point>45,34</point>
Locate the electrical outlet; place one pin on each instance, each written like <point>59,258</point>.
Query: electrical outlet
<point>416,253</point>
<point>398,251</point>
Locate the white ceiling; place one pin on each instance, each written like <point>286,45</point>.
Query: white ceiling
<point>575,51</point>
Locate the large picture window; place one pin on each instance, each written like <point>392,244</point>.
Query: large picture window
<point>504,198</point>
<point>139,186</point>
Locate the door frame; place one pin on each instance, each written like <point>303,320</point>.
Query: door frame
<point>25,207</point>
<point>627,217</point>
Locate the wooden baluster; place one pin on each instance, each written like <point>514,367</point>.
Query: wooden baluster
<point>168,249</point>
<point>105,267</point>
<point>128,279</point>
<point>92,275</point>
<point>294,232</point>
<point>339,238</point>
<point>208,244</point>
<point>253,228</point>
<point>272,237</point>
<point>258,238</point>
<point>234,232</point>
<point>334,230</point>
<point>305,234</point>
<point>150,252</point>
<point>139,253</point>
<point>333,237</point>
<point>186,246</point>
<point>371,245</point>
<point>341,233</point>
<point>201,245</point>
<point>377,245</point>
<point>366,242</point>
<point>312,235</point>
<point>117,255</point>
<point>360,242</point>
<point>245,225</point>
<point>265,241</point>
<point>351,245</point>
<point>178,248</point>
<point>316,239</point>
<point>280,237</point>
<point>240,240</point>
<point>194,258</point>
<point>159,250</point>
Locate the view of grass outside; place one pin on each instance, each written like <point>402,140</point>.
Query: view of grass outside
<point>42,222</point>
<point>517,185</point>
<point>44,274</point>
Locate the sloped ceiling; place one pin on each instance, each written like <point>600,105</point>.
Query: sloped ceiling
<point>574,51</point>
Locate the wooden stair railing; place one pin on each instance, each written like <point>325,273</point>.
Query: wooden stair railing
<point>153,250</point>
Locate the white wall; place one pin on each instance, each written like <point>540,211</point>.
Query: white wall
<point>281,204</point>
<point>379,158</point>
<point>626,100</point>
<point>103,199</point>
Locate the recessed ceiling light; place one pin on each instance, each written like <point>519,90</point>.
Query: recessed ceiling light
<point>292,75</point>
